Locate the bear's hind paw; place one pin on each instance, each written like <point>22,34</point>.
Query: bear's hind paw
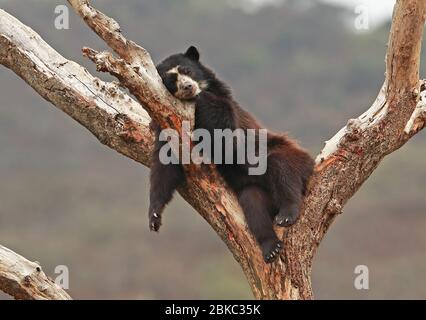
<point>272,251</point>
<point>287,216</point>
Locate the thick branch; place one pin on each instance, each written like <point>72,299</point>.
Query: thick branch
<point>361,145</point>
<point>351,156</point>
<point>403,56</point>
<point>111,115</point>
<point>136,70</point>
<point>204,190</point>
<point>398,111</point>
<point>119,122</point>
<point>23,279</point>
<point>109,30</point>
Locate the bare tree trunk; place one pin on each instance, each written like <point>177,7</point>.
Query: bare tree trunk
<point>120,122</point>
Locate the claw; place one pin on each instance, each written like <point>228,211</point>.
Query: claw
<point>155,215</point>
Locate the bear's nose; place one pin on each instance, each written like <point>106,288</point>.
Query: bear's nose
<point>187,87</point>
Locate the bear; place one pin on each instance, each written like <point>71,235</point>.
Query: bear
<point>271,198</point>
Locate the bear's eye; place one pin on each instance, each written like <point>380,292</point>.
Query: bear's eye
<point>170,82</point>
<point>185,71</point>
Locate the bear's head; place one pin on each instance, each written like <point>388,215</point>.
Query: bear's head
<point>183,74</point>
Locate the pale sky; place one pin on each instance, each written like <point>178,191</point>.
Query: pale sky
<point>378,10</point>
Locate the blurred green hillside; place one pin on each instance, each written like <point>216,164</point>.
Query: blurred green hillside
<point>66,199</point>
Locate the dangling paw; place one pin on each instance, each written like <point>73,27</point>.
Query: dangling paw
<point>271,250</point>
<point>154,221</point>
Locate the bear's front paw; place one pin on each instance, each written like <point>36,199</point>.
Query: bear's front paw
<point>271,250</point>
<point>154,221</point>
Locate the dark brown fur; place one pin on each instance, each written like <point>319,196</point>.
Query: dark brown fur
<point>273,197</point>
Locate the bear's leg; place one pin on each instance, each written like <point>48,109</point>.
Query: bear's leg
<point>164,179</point>
<point>255,204</point>
<point>285,181</point>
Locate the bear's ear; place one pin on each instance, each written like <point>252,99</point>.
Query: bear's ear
<point>192,53</point>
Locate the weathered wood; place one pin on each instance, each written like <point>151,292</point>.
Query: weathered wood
<point>23,279</point>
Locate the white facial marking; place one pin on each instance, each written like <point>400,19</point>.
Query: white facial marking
<point>187,88</point>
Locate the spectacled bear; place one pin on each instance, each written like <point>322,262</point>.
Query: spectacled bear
<point>273,197</point>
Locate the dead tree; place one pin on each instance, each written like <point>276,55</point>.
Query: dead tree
<point>24,279</point>
<point>121,122</point>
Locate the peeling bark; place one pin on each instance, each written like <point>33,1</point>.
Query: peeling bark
<point>23,279</point>
<point>118,121</point>
<point>112,116</point>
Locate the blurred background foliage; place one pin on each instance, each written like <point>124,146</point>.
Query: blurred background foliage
<point>67,199</point>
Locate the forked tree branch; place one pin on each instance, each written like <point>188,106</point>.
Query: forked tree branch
<point>118,121</point>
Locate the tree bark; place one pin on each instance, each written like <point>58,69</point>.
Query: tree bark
<point>120,122</point>
<point>23,279</point>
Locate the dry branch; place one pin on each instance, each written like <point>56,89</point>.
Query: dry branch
<point>23,279</point>
<point>204,190</point>
<point>111,115</point>
<point>117,121</point>
<point>135,69</point>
